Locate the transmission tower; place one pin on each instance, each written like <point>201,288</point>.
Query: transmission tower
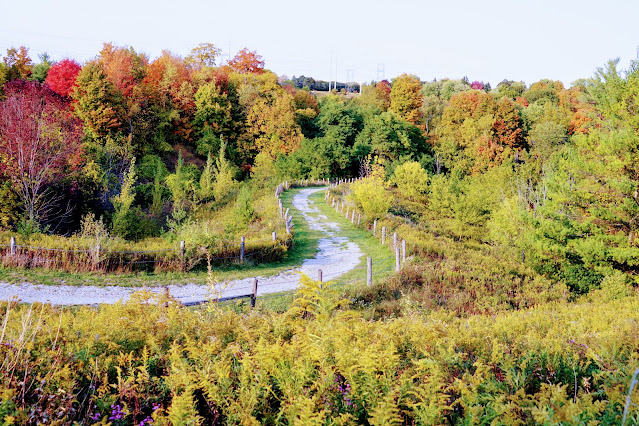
<point>350,76</point>
<point>381,72</point>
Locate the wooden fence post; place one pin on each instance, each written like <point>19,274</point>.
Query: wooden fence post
<point>281,208</point>
<point>13,246</point>
<point>242,249</point>
<point>274,236</point>
<point>383,235</point>
<point>403,251</point>
<point>182,253</point>
<point>374,227</point>
<point>353,217</point>
<point>359,218</point>
<point>319,275</point>
<point>369,271</point>
<point>254,295</point>
<point>397,263</point>
<point>395,240</point>
<point>286,214</point>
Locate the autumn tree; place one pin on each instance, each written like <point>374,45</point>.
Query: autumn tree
<point>406,98</point>
<point>203,55</point>
<point>19,64</point>
<point>171,92</point>
<point>274,126</point>
<point>247,62</point>
<point>39,139</point>
<point>62,76</point>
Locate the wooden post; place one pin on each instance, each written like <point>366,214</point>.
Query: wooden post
<point>182,247</point>
<point>242,249</point>
<point>403,251</point>
<point>353,217</point>
<point>281,208</point>
<point>319,275</point>
<point>369,271</point>
<point>333,203</point>
<point>13,246</point>
<point>347,212</point>
<point>254,295</point>
<point>383,235</point>
<point>286,214</point>
<point>374,227</point>
<point>397,264</point>
<point>359,218</point>
<point>395,240</point>
<point>274,236</point>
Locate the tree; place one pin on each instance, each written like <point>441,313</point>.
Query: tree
<point>39,141</point>
<point>411,179</point>
<point>18,63</point>
<point>247,62</point>
<point>406,98</point>
<point>41,69</point>
<point>274,126</point>
<point>62,76</point>
<point>98,104</point>
<point>122,203</point>
<point>204,55</point>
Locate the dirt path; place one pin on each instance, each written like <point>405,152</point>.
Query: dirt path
<point>336,256</point>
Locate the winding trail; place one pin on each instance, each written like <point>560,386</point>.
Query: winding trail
<point>336,256</point>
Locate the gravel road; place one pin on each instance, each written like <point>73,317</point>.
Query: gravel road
<point>336,256</point>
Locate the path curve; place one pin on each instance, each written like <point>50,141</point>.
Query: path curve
<point>336,256</point>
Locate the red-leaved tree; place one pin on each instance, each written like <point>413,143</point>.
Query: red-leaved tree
<point>246,62</point>
<point>39,140</point>
<point>62,76</point>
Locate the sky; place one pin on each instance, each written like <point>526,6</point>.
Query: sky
<point>489,40</point>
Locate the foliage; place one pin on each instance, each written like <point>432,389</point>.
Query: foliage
<point>411,179</point>
<point>39,145</point>
<point>122,203</point>
<point>137,361</point>
<point>247,61</point>
<point>61,77</point>
<point>406,98</point>
<point>370,195</point>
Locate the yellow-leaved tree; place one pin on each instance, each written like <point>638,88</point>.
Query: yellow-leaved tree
<point>370,193</point>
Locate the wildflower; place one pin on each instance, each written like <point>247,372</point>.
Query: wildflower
<point>95,417</point>
<point>146,421</point>
<point>116,412</point>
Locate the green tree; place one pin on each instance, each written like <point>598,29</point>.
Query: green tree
<point>122,203</point>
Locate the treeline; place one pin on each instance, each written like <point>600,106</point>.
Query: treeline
<point>310,83</point>
<point>545,171</point>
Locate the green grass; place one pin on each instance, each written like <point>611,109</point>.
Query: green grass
<point>382,257</point>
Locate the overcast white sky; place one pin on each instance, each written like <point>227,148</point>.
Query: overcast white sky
<point>488,40</point>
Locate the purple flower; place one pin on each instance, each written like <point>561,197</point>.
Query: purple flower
<point>95,417</point>
<point>156,406</point>
<point>146,421</point>
<point>116,412</point>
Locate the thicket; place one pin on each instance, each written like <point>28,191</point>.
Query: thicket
<point>139,362</point>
